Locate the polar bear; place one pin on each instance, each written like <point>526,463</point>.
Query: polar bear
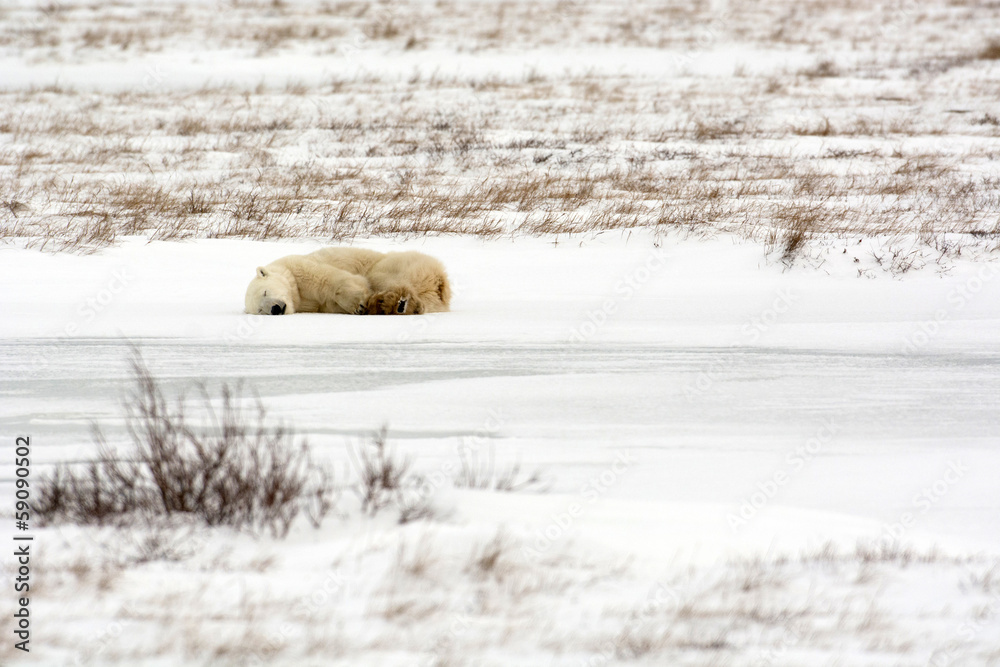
<point>350,280</point>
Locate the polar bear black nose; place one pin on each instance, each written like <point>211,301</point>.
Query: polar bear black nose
<point>278,310</point>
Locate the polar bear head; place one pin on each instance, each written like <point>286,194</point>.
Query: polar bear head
<point>270,292</point>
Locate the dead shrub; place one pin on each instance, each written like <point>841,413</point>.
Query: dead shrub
<point>382,474</point>
<point>236,471</point>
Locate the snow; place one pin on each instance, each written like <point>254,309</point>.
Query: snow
<point>743,459</point>
<point>643,291</point>
<point>721,407</point>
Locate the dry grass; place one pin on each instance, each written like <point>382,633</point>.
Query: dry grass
<point>480,470</point>
<point>451,594</point>
<point>798,222</point>
<point>991,51</point>
<point>499,153</point>
<point>823,68</point>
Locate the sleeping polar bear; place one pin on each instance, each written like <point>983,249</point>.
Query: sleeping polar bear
<point>350,280</point>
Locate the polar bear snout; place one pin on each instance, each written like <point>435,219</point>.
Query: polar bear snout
<point>272,306</point>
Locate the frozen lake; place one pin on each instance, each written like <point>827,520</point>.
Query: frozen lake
<point>865,435</point>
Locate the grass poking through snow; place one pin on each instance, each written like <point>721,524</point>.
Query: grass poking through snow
<point>861,133</point>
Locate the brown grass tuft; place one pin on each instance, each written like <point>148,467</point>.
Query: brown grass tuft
<point>479,470</point>
<point>991,51</point>
<point>822,69</point>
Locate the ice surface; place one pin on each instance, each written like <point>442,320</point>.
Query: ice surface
<point>711,371</point>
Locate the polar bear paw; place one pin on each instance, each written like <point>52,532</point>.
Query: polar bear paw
<point>394,302</point>
<point>352,296</point>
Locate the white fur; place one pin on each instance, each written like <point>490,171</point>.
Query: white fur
<point>350,280</point>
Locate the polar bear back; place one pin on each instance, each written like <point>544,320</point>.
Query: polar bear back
<point>421,273</point>
<point>352,260</point>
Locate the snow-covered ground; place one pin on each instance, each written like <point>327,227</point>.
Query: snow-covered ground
<point>726,278</point>
<point>709,419</point>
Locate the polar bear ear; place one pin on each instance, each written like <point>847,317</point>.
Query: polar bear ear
<point>261,273</point>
